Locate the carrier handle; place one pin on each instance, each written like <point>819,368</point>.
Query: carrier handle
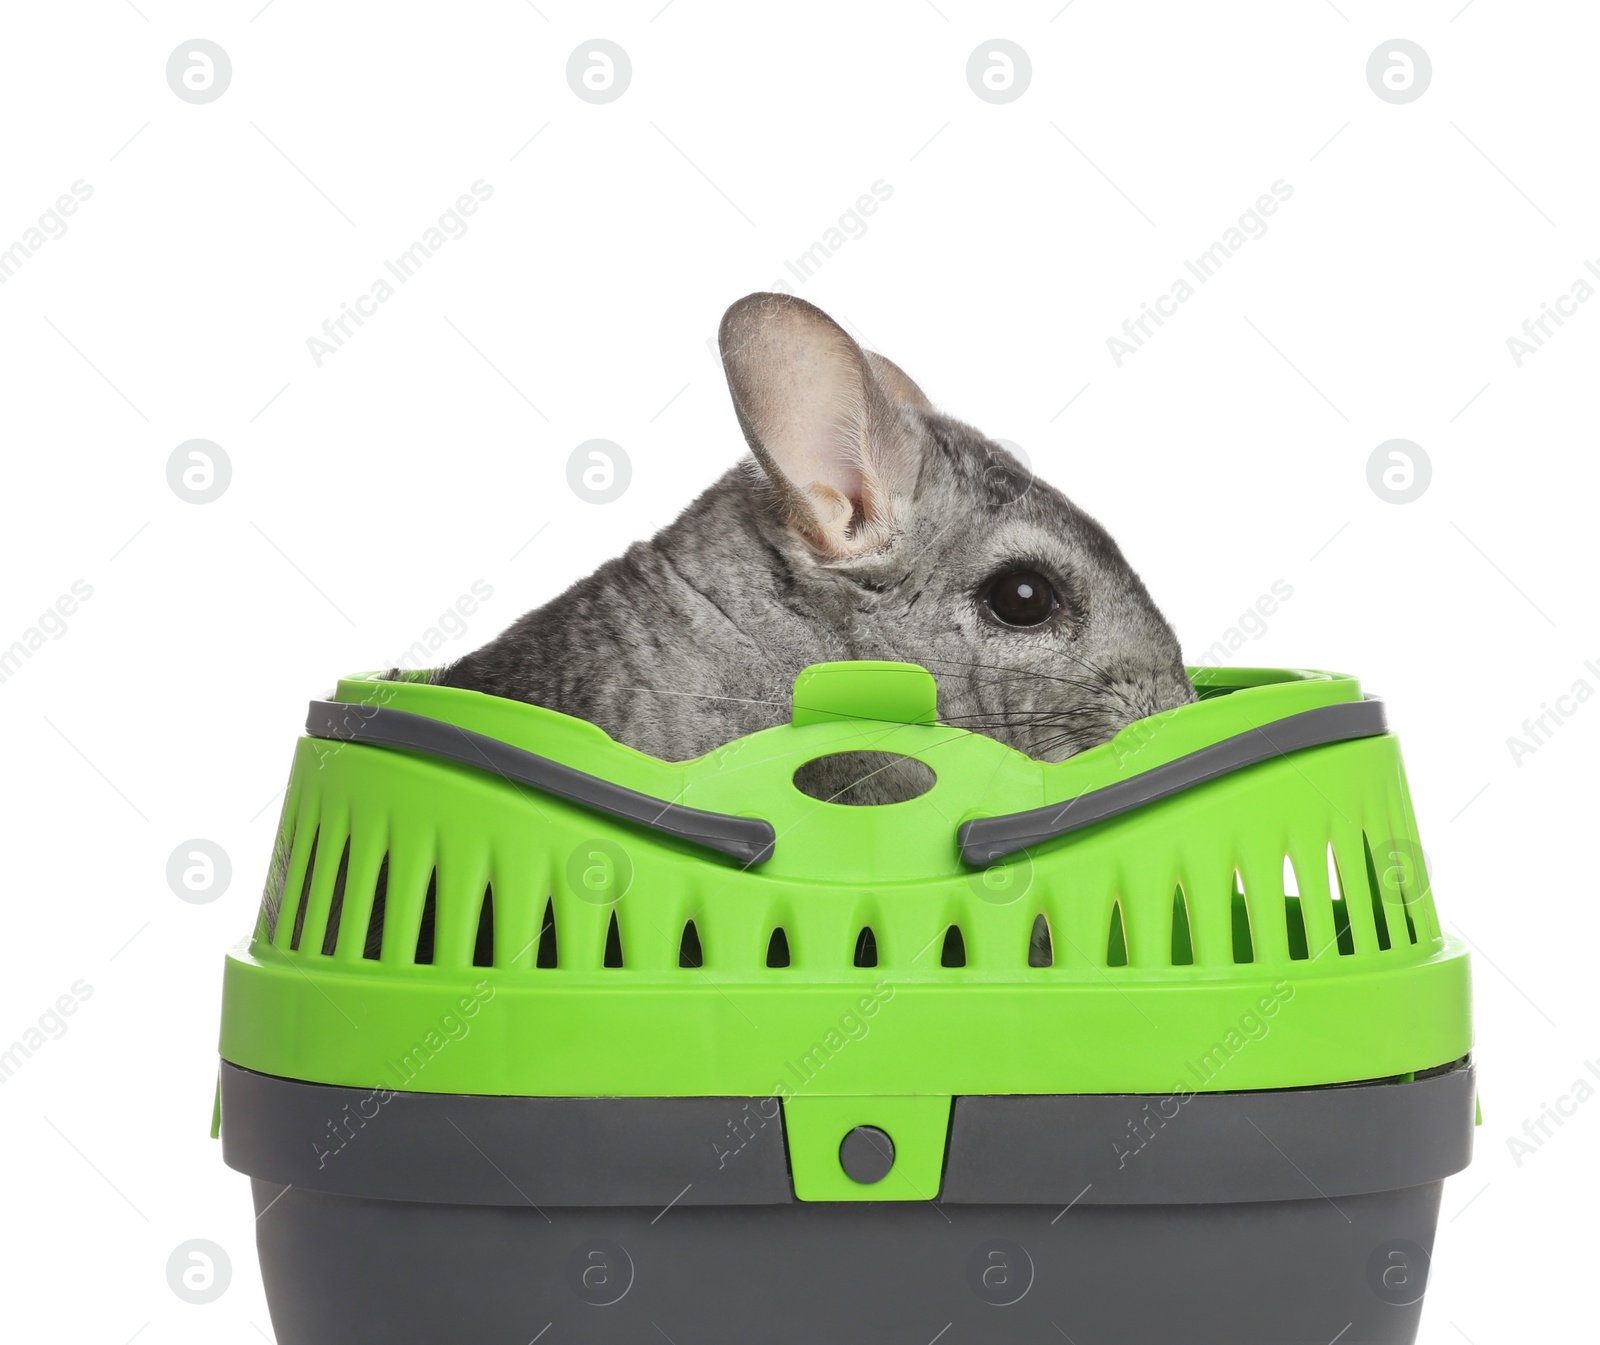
<point>750,839</point>
<point>986,839</point>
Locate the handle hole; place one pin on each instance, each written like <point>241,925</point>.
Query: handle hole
<point>864,778</point>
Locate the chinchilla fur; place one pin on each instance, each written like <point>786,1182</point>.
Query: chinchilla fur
<point>865,525</point>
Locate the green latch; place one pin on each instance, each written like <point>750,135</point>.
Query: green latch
<point>910,1134</point>
<point>893,693</point>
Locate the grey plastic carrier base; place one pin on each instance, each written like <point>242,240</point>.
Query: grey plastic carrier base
<point>1286,1217</point>
<point>341,1270</point>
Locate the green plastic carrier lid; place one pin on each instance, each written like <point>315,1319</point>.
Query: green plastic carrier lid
<point>1229,896</point>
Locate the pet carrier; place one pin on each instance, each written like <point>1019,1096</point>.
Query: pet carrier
<point>537,1033</point>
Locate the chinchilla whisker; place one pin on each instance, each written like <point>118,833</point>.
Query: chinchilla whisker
<point>1101,674</point>
<point>862,779</point>
<point>1065,726</point>
<point>1020,718</point>
<point>877,738</point>
<point>1018,715</point>
<point>1044,745</point>
<point>706,695</point>
<point>991,667</point>
<point>1099,670</point>
<point>1129,704</point>
<point>1079,740</point>
<point>1013,674</point>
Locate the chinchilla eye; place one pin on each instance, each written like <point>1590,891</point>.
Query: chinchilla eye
<point>1021,598</point>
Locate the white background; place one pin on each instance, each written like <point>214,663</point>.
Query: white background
<point>369,493</point>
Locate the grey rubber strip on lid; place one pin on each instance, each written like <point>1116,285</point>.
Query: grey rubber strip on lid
<point>986,839</point>
<point>748,838</point>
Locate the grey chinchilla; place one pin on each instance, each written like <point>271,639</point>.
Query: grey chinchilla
<point>867,525</point>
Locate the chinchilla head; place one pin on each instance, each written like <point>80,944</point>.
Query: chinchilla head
<point>929,543</point>
<point>867,526</point>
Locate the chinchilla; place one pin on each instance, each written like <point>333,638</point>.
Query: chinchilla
<point>866,525</point>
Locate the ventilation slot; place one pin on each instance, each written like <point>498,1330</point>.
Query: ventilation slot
<point>1041,951</point>
<point>1396,875</point>
<point>1294,914</point>
<point>690,954</point>
<point>1380,918</point>
<point>778,948</point>
<point>380,911</point>
<point>1412,882</point>
<point>1182,934</point>
<point>1244,945</point>
<point>1117,939</point>
<point>866,948</point>
<point>613,957</point>
<point>430,914</point>
<point>546,956</point>
<point>955,948</point>
<point>272,894</point>
<point>1341,911</point>
<point>330,936</point>
<point>305,894</point>
<point>483,950</point>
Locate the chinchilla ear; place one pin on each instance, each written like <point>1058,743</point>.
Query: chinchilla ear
<point>896,382</point>
<point>834,441</point>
